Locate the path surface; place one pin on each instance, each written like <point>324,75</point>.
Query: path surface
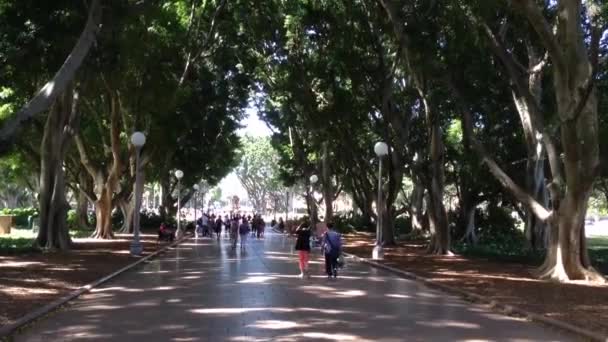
<point>204,291</point>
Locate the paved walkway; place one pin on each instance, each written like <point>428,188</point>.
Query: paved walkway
<point>204,291</point>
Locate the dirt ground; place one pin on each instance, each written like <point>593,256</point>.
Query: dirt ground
<point>579,304</point>
<point>29,281</point>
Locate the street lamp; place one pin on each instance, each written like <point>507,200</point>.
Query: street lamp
<point>179,174</point>
<point>313,180</point>
<point>195,187</point>
<point>381,150</point>
<point>138,139</point>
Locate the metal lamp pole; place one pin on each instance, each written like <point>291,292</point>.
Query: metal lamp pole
<point>138,139</point>
<point>313,180</point>
<point>179,174</point>
<point>381,150</point>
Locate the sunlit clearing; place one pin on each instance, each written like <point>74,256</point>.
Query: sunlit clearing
<point>275,325</point>
<point>256,280</point>
<point>450,324</point>
<point>394,295</point>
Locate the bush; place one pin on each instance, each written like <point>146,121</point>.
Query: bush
<point>21,215</point>
<point>499,239</point>
<point>349,223</point>
<point>403,225</point>
<point>149,219</point>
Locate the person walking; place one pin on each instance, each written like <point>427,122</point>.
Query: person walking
<point>243,232</point>
<point>303,248</point>
<point>218,227</point>
<point>332,247</point>
<point>234,231</point>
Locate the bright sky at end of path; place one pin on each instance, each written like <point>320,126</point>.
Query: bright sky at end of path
<point>252,125</point>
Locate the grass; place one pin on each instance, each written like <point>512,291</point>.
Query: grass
<point>598,253</point>
<point>21,241</point>
<point>17,242</point>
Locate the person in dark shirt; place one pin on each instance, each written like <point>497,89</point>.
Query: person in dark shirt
<point>303,248</point>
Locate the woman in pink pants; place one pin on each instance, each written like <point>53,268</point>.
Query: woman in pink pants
<point>303,248</point>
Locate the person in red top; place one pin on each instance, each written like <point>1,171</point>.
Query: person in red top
<point>165,233</point>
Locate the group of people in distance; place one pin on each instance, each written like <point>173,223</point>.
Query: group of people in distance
<point>331,245</point>
<point>235,226</point>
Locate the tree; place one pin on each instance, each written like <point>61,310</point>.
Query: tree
<point>257,170</point>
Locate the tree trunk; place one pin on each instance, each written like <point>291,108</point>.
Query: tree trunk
<point>470,236</point>
<point>127,208</point>
<point>416,207</point>
<point>82,216</point>
<point>103,212</point>
<point>58,130</point>
<point>438,218</point>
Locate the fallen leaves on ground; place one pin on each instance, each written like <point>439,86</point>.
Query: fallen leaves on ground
<point>580,304</point>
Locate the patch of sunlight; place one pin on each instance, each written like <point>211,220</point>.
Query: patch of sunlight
<point>487,276</point>
<point>22,291</point>
<point>185,339</point>
<point>246,339</point>
<point>319,288</point>
<point>449,324</point>
<point>145,303</point>
<point>277,253</point>
<point>350,293</point>
<point>331,337</point>
<point>275,325</point>
<point>99,307</point>
<point>153,272</point>
<point>229,311</point>
<point>395,295</point>
<point>327,311</point>
<point>172,327</point>
<point>91,336</point>
<point>192,277</point>
<point>256,280</point>
<point>427,295</point>
<point>163,288</point>
<point>173,300</point>
<point>19,263</point>
<point>273,257</point>
<point>115,288</point>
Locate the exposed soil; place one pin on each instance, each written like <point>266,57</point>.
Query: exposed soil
<point>29,281</point>
<point>583,305</point>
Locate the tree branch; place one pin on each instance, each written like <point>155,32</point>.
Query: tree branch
<point>55,87</point>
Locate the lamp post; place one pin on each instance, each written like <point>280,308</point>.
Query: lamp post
<point>138,139</point>
<point>381,150</point>
<point>313,180</point>
<point>195,187</point>
<point>179,174</point>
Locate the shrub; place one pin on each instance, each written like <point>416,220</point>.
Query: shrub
<point>21,215</point>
